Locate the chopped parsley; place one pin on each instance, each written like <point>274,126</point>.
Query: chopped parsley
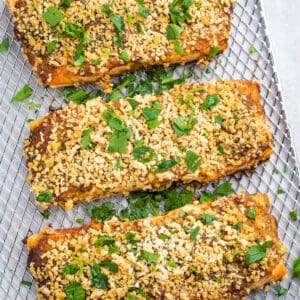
<point>45,196</point>
<point>251,213</point>
<point>46,214</point>
<point>165,165</point>
<point>178,48</point>
<point>119,140</point>
<point>22,94</point>
<point>118,23</point>
<point>4,45</point>
<point>151,114</point>
<point>182,127</point>
<point>218,120</point>
<point>99,280</point>
<point>85,138</point>
<point>294,215</point>
<point>142,10</point>
<point>281,290</point>
<point>124,56</point>
<point>163,237</point>
<point>143,154</point>
<point>171,264</point>
<point>213,52</point>
<point>79,220</point>
<point>237,226</point>
<point>192,161</point>
<point>65,3</point>
<point>280,191</point>
<point>210,101</point>
<point>130,238</point>
<point>70,269</point>
<point>53,16</point>
<point>133,103</point>
<point>173,31</point>
<point>75,291</point>
<point>27,283</point>
<point>194,233</point>
<point>149,257</point>
<point>296,268</point>
<point>221,149</point>
<point>104,240</point>
<point>207,219</point>
<point>51,46</point>
<point>224,189</point>
<point>112,267</point>
<point>257,252</point>
<point>252,49</point>
<point>102,213</point>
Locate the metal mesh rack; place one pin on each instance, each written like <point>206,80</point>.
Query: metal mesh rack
<point>18,213</point>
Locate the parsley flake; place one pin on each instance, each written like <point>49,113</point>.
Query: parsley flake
<point>23,94</point>
<point>75,291</point>
<point>165,165</point>
<point>213,52</point>
<point>296,268</point>
<point>53,16</point>
<point>4,45</point>
<point>194,233</point>
<point>104,240</point>
<point>207,219</point>
<point>210,101</point>
<point>192,161</point>
<point>251,213</point>
<point>149,257</point>
<point>99,280</point>
<point>143,154</point>
<point>294,215</point>
<point>181,127</point>
<point>45,196</point>
<point>85,138</point>
<point>257,252</point>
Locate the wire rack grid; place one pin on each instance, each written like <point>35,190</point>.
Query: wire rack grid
<point>20,216</point>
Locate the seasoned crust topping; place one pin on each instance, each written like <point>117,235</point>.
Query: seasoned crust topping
<point>177,256</point>
<point>118,34</point>
<point>78,154</point>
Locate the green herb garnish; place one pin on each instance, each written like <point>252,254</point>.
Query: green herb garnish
<point>192,161</point>
<point>194,233</point>
<point>75,291</point>
<point>45,196</point>
<point>257,252</point>
<point>53,16</point>
<point>23,94</point>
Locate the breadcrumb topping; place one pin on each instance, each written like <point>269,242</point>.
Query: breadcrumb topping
<point>143,37</point>
<point>177,256</point>
<point>75,170</point>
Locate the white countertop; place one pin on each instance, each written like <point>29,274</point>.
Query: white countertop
<point>283,25</point>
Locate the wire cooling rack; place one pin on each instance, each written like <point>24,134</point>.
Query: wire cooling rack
<point>20,216</point>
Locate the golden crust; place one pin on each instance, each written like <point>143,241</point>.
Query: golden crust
<point>207,29</point>
<point>51,148</point>
<point>229,210</point>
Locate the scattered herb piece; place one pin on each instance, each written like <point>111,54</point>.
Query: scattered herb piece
<point>213,52</point>
<point>207,219</point>
<point>237,226</point>
<point>143,154</point>
<point>163,237</point>
<point>276,170</point>
<point>280,191</point>
<point>130,238</point>
<point>102,213</point>
<point>23,94</point>
<point>99,280</point>
<point>251,213</point>
<point>257,252</point>
<point>296,268</point>
<point>46,214</point>
<point>218,120</point>
<point>124,56</point>
<point>151,114</point>
<point>104,240</point>
<point>133,103</point>
<point>178,48</point>
<point>51,46</point>
<point>173,31</point>
<point>65,3</point>
<point>252,49</point>
<point>75,291</point>
<point>221,149</point>
<point>192,161</point>
<point>175,200</point>
<point>53,16</point>
<point>149,257</point>
<point>79,220</point>
<point>294,215</point>
<point>165,165</point>
<point>194,233</point>
<point>182,214</point>
<point>171,264</point>
<point>45,196</point>
<point>281,290</point>
<point>70,269</point>
<point>27,283</point>
<point>4,45</point>
<point>183,128</point>
<point>85,138</point>
<point>210,101</point>
<point>112,267</point>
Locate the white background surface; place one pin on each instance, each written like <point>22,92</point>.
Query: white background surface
<point>283,25</point>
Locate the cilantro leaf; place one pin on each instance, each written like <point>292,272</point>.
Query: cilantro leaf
<point>210,101</point>
<point>151,114</point>
<point>165,165</point>
<point>207,219</point>
<point>149,257</point>
<point>213,52</point>
<point>99,280</point>
<point>143,154</point>
<point>296,268</point>
<point>184,128</point>
<point>281,290</point>
<point>252,49</point>
<point>65,3</point>
<point>4,45</point>
<point>192,161</point>
<point>51,46</point>
<point>124,56</point>
<point>85,138</point>
<point>104,240</point>
<point>194,233</point>
<point>22,94</point>
<point>177,199</point>
<point>237,226</point>
<point>119,140</point>
<point>218,120</point>
<point>223,189</point>
<point>257,252</point>
<point>45,196</point>
<point>251,213</point>
<point>53,16</point>
<point>173,31</point>
<point>27,283</point>
<point>179,11</point>
<point>112,267</point>
<point>103,213</point>
<point>178,48</point>
<point>294,215</point>
<point>70,269</point>
<point>75,291</point>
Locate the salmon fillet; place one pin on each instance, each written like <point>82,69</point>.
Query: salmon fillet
<point>194,252</point>
<point>194,132</point>
<point>89,41</point>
